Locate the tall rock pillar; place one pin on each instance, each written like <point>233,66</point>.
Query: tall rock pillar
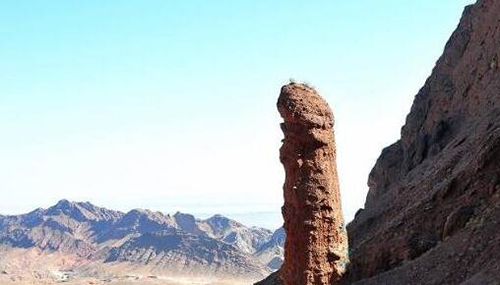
<point>316,239</point>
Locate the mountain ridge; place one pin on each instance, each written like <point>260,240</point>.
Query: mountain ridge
<point>140,237</point>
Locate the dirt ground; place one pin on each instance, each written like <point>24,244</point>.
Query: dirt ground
<point>129,280</point>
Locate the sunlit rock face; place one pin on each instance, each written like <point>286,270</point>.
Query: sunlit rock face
<point>432,212</point>
<point>316,243</point>
<point>433,209</point>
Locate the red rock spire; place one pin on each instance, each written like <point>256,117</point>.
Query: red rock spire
<point>316,243</point>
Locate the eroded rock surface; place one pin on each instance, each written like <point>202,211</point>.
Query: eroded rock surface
<point>316,243</point>
<point>432,213</point>
<point>433,209</point>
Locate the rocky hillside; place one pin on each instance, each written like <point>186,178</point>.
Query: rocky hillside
<point>184,253</point>
<point>271,253</point>
<point>433,208</point>
<point>176,243</point>
<point>432,213</point>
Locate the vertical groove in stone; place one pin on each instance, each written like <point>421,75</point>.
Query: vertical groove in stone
<point>316,243</point>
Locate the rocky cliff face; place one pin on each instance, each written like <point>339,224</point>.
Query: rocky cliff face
<point>316,243</point>
<point>433,208</point>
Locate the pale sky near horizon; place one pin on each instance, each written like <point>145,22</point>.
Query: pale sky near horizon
<point>170,105</point>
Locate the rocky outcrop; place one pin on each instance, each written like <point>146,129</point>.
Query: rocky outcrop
<point>316,243</point>
<point>433,208</point>
<point>434,199</point>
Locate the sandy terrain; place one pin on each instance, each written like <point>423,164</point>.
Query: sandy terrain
<point>128,280</point>
<point>31,267</point>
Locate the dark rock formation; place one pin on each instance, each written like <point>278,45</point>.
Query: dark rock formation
<point>316,243</point>
<point>433,208</point>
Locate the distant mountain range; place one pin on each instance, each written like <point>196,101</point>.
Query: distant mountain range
<point>143,239</point>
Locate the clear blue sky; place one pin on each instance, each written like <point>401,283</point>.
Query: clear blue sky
<point>170,105</point>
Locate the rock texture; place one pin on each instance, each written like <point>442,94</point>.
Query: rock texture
<point>433,209</point>
<point>432,213</point>
<point>316,243</point>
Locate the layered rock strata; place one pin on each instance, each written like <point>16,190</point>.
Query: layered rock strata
<point>316,243</point>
